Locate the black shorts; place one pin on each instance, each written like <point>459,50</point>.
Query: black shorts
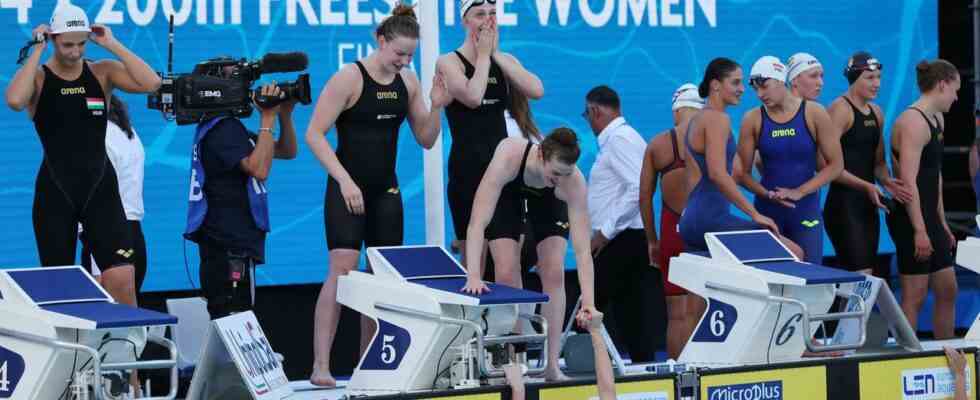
<point>545,215</point>
<point>56,215</point>
<point>903,234</point>
<point>506,221</point>
<point>139,257</point>
<point>380,225</point>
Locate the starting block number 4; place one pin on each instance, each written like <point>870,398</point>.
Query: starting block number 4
<point>717,323</point>
<point>4,381</point>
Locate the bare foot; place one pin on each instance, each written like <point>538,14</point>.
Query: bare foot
<point>555,375</point>
<point>322,377</point>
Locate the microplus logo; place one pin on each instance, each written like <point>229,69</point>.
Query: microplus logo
<point>771,390</point>
<point>930,383</point>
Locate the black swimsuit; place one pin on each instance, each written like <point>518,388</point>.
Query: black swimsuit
<point>76,183</point>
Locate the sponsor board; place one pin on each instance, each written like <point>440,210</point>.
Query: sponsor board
<point>776,384</point>
<point>924,378</point>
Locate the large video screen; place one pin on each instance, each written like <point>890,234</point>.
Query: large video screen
<point>644,49</point>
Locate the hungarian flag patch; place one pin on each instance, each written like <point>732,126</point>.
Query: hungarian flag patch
<point>95,103</point>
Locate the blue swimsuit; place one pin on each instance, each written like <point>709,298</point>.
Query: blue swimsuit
<point>707,207</point>
<point>789,159</point>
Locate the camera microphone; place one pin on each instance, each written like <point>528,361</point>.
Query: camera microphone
<point>284,62</point>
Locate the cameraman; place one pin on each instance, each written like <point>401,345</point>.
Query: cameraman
<point>228,214</point>
<point>66,97</point>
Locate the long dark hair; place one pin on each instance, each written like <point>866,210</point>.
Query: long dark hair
<point>120,116</point>
<point>520,110</point>
<point>718,69</point>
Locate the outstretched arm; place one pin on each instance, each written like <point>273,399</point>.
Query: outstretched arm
<point>502,169</point>
<point>605,379</point>
<point>572,190</point>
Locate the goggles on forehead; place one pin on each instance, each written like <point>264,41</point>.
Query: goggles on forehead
<point>758,81</point>
<point>869,65</point>
<point>468,4</point>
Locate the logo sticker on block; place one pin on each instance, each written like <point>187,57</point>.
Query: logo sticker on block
<point>717,322</point>
<point>388,348</point>
<point>770,390</point>
<point>931,383</point>
<point>11,370</point>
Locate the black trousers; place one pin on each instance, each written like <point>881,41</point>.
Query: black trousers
<point>226,295</point>
<point>625,286</point>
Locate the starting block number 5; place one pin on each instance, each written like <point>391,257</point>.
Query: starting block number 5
<point>4,382</point>
<point>717,322</point>
<point>388,352</point>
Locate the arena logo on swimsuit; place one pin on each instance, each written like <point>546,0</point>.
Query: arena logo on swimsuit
<point>788,132</point>
<point>930,383</point>
<point>72,91</point>
<point>388,95</point>
<point>769,390</point>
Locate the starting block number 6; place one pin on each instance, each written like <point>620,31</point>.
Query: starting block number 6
<point>717,323</point>
<point>4,382</point>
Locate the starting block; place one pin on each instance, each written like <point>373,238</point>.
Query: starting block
<point>968,256</point>
<point>426,326</point>
<point>48,317</point>
<point>762,301</point>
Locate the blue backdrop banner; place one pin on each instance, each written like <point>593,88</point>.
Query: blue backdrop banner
<point>642,48</point>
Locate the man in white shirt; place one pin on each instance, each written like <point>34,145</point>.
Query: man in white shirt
<point>623,277</point>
